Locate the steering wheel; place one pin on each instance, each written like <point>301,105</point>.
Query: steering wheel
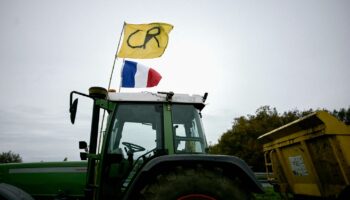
<point>132,148</point>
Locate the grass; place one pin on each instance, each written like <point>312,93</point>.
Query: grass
<point>268,195</point>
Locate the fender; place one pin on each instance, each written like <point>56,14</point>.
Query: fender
<point>232,167</point>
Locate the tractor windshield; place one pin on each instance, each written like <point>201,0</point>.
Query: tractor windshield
<point>137,128</point>
<point>187,129</point>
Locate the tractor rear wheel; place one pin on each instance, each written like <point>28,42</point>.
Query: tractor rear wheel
<point>195,184</point>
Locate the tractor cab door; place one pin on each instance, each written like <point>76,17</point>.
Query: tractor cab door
<point>187,129</point>
<point>134,136</point>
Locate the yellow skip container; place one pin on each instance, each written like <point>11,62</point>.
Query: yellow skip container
<point>309,157</point>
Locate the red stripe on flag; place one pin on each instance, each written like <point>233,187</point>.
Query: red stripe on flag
<point>153,78</point>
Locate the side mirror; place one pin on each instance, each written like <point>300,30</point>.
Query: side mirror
<point>83,145</point>
<point>73,110</point>
<point>83,156</point>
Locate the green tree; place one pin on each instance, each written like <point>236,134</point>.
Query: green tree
<point>10,157</point>
<point>343,115</point>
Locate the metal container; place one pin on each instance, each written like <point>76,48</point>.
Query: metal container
<point>309,157</point>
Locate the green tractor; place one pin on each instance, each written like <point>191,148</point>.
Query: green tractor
<point>153,147</point>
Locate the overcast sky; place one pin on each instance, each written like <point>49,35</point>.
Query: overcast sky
<point>286,54</point>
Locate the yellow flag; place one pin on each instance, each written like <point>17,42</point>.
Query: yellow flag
<point>144,40</point>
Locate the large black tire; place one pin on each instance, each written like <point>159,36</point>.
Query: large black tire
<point>10,192</point>
<point>199,183</point>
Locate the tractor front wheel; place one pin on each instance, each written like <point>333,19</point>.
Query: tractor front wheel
<point>10,192</point>
<point>195,184</point>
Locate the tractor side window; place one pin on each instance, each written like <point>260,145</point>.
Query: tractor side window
<point>187,130</point>
<point>136,129</point>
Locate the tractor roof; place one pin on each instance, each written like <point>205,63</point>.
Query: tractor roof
<point>157,97</point>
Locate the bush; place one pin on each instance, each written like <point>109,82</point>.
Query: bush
<point>10,157</point>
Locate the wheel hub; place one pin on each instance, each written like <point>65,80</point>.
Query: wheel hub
<point>196,197</point>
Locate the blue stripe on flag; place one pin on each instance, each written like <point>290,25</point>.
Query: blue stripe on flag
<point>128,74</point>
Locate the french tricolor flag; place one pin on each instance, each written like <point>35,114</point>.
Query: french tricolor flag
<point>136,75</point>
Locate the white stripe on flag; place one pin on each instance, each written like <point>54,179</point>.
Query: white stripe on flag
<point>141,76</point>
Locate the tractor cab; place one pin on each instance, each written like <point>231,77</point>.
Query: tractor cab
<point>137,130</point>
<point>143,124</point>
<point>140,126</point>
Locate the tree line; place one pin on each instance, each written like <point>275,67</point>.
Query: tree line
<point>241,139</point>
<point>10,157</point>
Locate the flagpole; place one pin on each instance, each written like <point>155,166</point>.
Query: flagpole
<point>110,81</point>
<point>116,57</point>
